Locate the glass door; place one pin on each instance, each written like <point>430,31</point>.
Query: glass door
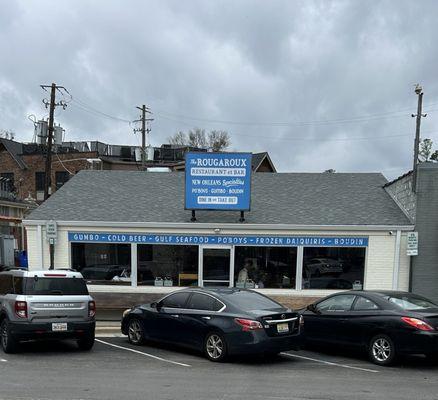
<point>215,266</point>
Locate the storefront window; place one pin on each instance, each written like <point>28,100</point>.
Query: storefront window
<point>333,268</point>
<point>265,267</point>
<point>165,265</point>
<point>103,263</point>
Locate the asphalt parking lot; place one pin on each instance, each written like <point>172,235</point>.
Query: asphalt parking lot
<point>114,369</point>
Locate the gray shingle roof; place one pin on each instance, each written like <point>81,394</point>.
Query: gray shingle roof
<point>282,198</point>
<point>15,149</point>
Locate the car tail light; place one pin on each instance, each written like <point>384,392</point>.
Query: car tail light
<point>248,324</point>
<point>91,309</point>
<point>417,323</point>
<point>21,309</point>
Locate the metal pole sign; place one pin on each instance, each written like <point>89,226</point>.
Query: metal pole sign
<point>218,181</point>
<point>412,245</point>
<point>51,232</point>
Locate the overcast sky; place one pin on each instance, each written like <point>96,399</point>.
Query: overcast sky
<point>317,84</point>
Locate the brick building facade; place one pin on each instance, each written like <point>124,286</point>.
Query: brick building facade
<point>28,175</point>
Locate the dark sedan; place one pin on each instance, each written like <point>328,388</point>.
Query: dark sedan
<point>218,321</point>
<point>384,323</point>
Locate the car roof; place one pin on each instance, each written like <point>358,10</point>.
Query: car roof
<point>216,290</point>
<point>380,292</point>
<point>56,273</point>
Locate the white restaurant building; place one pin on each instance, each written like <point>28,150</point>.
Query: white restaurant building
<point>307,234</point>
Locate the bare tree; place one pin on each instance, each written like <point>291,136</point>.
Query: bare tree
<point>425,152</point>
<point>197,138</point>
<point>179,139</point>
<point>219,140</point>
<point>215,140</point>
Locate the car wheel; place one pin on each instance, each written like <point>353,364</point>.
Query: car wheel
<point>215,347</point>
<point>382,350</point>
<point>8,342</point>
<point>86,343</point>
<point>135,331</point>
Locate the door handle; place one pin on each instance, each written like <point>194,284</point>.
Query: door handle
<point>174,315</point>
<point>206,317</point>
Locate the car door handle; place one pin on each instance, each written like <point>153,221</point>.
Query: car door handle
<point>206,317</point>
<point>174,315</point>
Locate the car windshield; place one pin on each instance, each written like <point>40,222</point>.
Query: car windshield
<point>252,301</point>
<point>410,302</point>
<point>56,286</point>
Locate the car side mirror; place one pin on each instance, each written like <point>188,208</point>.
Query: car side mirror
<point>157,305</point>
<point>312,308</point>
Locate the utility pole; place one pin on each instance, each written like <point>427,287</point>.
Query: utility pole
<point>419,92</point>
<point>48,170</point>
<point>145,129</point>
<point>51,105</point>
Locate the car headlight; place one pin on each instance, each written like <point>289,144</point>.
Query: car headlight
<point>126,312</point>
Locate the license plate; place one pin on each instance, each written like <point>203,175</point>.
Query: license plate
<point>283,328</point>
<point>59,326</point>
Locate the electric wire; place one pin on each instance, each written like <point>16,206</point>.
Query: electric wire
<point>363,118</point>
<point>91,110</point>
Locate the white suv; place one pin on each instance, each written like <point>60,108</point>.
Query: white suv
<point>48,304</point>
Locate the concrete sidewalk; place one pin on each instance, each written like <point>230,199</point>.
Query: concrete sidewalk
<point>108,328</point>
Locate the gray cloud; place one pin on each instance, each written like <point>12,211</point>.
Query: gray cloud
<point>199,62</point>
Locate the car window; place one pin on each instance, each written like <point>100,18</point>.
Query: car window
<point>411,302</point>
<point>336,303</point>
<point>5,284</point>
<point>363,304</point>
<point>176,300</point>
<point>200,301</point>
<point>55,286</point>
<point>18,284</point>
<point>247,300</point>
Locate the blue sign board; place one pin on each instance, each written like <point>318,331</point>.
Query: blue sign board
<point>218,181</point>
<point>150,238</point>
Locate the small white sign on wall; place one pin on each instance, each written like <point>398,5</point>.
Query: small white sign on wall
<point>412,246</point>
<point>51,231</point>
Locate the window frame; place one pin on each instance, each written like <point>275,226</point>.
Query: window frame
<point>38,176</point>
<point>58,174</point>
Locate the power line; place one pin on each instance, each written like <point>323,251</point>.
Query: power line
<point>363,118</point>
<point>331,139</point>
<point>86,107</point>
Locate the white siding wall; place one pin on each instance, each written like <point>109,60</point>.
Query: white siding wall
<point>405,264</point>
<point>33,248</point>
<point>380,262</point>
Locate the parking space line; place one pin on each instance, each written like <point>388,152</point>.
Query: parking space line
<point>329,363</point>
<point>143,353</point>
